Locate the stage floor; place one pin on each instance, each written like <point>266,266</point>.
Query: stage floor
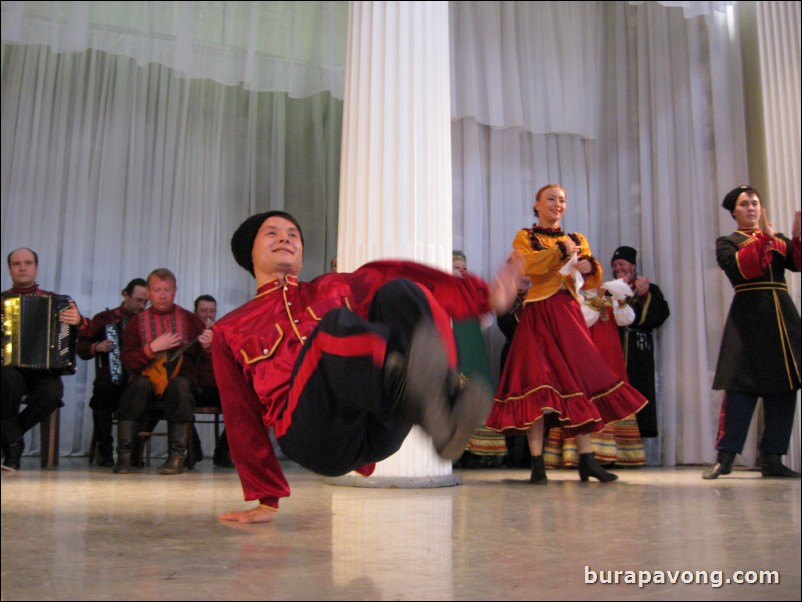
<point>81,533</point>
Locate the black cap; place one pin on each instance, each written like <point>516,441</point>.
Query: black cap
<point>732,196</point>
<point>626,253</point>
<point>242,241</point>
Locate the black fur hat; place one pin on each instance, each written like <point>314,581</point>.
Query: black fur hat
<point>242,241</point>
<point>626,253</point>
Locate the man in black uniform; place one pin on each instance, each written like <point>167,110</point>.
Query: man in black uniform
<point>760,346</point>
<point>651,310</point>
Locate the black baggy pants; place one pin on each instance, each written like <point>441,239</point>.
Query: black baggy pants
<point>343,414</point>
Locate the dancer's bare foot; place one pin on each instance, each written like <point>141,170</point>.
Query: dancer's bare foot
<point>260,514</point>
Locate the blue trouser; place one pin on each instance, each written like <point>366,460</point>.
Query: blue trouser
<point>736,414</point>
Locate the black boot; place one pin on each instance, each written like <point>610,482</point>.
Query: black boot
<point>126,431</point>
<point>104,442</point>
<point>471,404</point>
<point>14,451</point>
<point>13,442</point>
<point>771,466</point>
<point>538,476</point>
<point>197,448</point>
<point>433,397</point>
<point>222,454</point>
<point>147,425</point>
<point>589,467</point>
<point>723,465</point>
<point>177,434</point>
<point>138,449</point>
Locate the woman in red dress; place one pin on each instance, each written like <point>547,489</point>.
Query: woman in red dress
<point>553,366</point>
<point>619,443</point>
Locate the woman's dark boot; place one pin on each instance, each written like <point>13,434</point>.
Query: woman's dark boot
<point>538,476</point>
<point>723,465</point>
<point>590,467</point>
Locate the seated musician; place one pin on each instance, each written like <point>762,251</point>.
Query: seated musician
<point>42,386</point>
<point>158,375</point>
<point>102,342</point>
<point>206,310</point>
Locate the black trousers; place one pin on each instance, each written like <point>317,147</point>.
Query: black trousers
<point>343,415</point>
<point>106,396</point>
<point>210,396</point>
<point>44,391</point>
<point>178,399</point>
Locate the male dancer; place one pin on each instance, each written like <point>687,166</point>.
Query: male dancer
<point>343,366</point>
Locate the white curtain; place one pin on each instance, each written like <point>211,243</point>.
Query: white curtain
<point>293,47</point>
<point>110,169</point>
<point>526,65</point>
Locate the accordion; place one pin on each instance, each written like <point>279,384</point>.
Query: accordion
<point>114,360</point>
<point>33,335</point>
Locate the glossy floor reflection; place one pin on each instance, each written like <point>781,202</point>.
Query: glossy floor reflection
<point>81,533</point>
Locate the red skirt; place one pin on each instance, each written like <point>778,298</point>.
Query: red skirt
<point>554,367</point>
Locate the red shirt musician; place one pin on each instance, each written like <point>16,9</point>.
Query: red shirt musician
<point>162,348</point>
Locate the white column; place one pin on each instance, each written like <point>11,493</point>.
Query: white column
<point>395,175</point>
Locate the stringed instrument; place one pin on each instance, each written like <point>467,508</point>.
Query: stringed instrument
<point>166,365</point>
